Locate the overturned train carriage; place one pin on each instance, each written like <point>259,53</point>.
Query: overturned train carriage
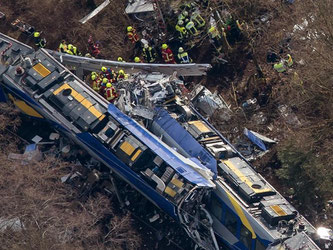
<point>170,154</point>
<point>43,88</point>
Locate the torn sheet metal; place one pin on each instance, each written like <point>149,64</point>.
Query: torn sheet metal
<point>256,140</point>
<point>175,134</point>
<point>94,12</point>
<point>208,102</point>
<point>184,166</point>
<point>139,6</point>
<point>14,224</point>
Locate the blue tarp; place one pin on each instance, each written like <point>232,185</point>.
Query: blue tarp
<point>158,148</point>
<point>184,139</point>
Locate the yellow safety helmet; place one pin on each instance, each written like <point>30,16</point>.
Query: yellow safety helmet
<point>36,34</point>
<point>120,59</point>
<point>136,59</point>
<point>164,46</point>
<point>105,80</point>
<point>129,28</point>
<point>212,29</point>
<point>93,73</point>
<point>103,69</point>
<point>109,85</point>
<point>93,77</point>
<point>121,72</point>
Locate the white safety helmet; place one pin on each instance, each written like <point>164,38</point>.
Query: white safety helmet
<point>180,22</point>
<point>146,46</point>
<point>180,50</point>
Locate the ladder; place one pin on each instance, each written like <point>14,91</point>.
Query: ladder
<point>159,17</point>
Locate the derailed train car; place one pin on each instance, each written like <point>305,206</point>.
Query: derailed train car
<point>170,153</point>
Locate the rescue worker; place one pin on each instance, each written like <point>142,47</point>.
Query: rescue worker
<point>102,85</point>
<point>94,48</point>
<point>110,92</point>
<point>183,56</point>
<point>184,17</point>
<point>289,60</point>
<point>240,25</point>
<point>132,35</point>
<point>167,54</point>
<point>191,28</point>
<point>62,46</point>
<point>121,75</point>
<point>137,60</point>
<point>72,50</point>
<point>108,73</point>
<point>39,42</point>
<point>198,20</point>
<point>95,83</point>
<point>183,33</point>
<point>215,37</point>
<point>280,67</point>
<point>149,53</point>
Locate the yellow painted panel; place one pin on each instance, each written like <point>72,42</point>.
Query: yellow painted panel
<point>210,138</point>
<point>127,148</point>
<point>25,107</point>
<point>86,103</point>
<point>170,192</point>
<point>244,179</point>
<point>278,210</point>
<point>136,155</point>
<point>95,112</point>
<point>101,118</point>
<point>40,69</point>
<point>79,97</point>
<point>201,126</point>
<point>241,215</point>
<point>62,87</point>
<point>177,182</point>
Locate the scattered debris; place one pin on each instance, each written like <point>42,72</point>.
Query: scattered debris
<point>289,116</point>
<point>139,6</point>
<point>94,12</point>
<point>14,224</point>
<point>31,153</point>
<point>208,102</point>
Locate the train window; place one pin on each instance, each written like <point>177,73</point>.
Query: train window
<point>231,222</point>
<point>216,208</point>
<point>246,236</point>
<point>260,245</point>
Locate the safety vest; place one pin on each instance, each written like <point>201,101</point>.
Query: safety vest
<point>62,47</point>
<point>198,20</point>
<point>110,94</point>
<point>96,85</point>
<point>132,36</point>
<point>168,56</point>
<point>184,58</point>
<point>149,54</point>
<point>191,28</point>
<point>289,60</point>
<point>239,25</point>
<point>279,67</point>
<point>214,34</point>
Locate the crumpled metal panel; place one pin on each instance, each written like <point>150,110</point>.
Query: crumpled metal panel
<point>169,156</point>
